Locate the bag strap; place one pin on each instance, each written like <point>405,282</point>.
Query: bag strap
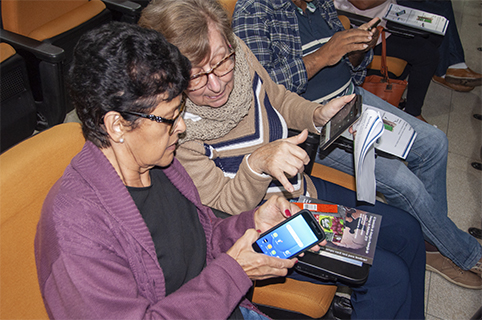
<point>384,67</point>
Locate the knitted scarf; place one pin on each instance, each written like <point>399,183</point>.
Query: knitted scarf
<point>217,122</point>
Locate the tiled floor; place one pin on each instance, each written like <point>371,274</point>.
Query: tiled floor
<point>453,113</point>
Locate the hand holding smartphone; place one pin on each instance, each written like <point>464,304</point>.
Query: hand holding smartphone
<point>291,237</point>
<point>341,121</point>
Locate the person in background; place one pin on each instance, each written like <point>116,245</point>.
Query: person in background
<point>452,72</point>
<point>123,233</point>
<point>421,54</point>
<point>237,153</point>
<point>293,40</point>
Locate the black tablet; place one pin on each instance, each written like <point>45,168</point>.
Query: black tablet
<point>341,121</point>
<point>332,269</point>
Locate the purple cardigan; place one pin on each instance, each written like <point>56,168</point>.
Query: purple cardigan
<point>96,258</point>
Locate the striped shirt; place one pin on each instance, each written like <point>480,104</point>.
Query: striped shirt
<point>271,30</point>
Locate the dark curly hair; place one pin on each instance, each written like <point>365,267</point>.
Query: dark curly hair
<point>123,67</point>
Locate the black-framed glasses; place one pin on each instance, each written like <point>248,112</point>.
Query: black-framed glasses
<point>171,122</point>
<point>222,68</point>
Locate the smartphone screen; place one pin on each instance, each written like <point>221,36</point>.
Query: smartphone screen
<point>291,237</point>
<point>341,121</point>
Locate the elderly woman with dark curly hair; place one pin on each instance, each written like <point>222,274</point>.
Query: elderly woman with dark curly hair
<point>123,233</point>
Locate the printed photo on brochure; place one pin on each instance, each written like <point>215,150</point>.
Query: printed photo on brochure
<point>351,233</point>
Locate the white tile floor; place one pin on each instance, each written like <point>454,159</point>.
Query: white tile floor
<point>452,112</point>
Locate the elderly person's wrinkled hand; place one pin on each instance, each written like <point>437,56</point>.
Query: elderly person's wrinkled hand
<point>273,211</point>
<point>281,158</point>
<point>259,266</point>
<point>325,112</point>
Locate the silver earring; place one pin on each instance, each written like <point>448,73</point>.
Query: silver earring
<point>121,140</point>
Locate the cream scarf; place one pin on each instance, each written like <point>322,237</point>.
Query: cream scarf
<point>212,123</point>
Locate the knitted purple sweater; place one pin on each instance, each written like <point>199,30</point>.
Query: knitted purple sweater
<point>96,258</point>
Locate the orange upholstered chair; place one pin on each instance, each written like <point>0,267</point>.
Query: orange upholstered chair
<point>42,20</point>
<point>31,24</point>
<point>27,172</point>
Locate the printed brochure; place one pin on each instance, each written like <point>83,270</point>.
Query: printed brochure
<point>351,233</point>
<point>417,19</point>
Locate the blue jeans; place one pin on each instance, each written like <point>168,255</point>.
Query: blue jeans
<point>395,285</point>
<point>418,187</point>
<point>251,315</point>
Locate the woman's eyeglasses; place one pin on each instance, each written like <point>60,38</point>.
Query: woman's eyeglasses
<point>171,122</point>
<point>222,68</point>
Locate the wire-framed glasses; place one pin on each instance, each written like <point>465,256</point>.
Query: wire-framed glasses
<point>222,68</point>
<point>171,122</point>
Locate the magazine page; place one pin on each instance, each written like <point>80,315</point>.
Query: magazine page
<point>351,233</point>
<point>417,19</point>
<point>368,130</point>
<point>381,130</point>
<point>398,135</point>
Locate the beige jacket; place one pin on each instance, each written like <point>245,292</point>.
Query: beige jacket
<point>246,189</point>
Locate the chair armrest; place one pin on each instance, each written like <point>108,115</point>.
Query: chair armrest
<point>43,51</point>
<point>355,19</point>
<point>124,10</point>
<point>334,176</point>
<point>307,298</point>
<point>124,6</point>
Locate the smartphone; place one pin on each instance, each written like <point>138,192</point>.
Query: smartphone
<point>291,237</point>
<point>370,28</point>
<point>341,121</point>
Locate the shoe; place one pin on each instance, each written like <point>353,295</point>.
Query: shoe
<point>437,263</point>
<point>477,268</point>
<point>465,77</point>
<point>475,232</point>
<point>451,86</point>
<point>341,307</point>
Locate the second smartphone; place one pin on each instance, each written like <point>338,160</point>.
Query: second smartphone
<point>291,237</point>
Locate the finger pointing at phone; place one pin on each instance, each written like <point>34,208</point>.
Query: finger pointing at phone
<point>281,159</point>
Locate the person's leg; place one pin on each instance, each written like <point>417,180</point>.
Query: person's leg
<point>450,50</point>
<point>251,314</point>
<point>422,58</point>
<point>400,251</point>
<point>419,187</point>
<point>383,296</point>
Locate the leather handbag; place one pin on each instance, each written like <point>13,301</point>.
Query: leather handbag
<point>390,90</point>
